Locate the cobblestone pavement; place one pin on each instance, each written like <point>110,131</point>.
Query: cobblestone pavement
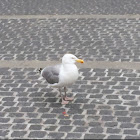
<point>61,7</point>
<point>106,103</point>
<point>91,39</point>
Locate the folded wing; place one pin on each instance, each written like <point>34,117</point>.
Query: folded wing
<point>51,74</point>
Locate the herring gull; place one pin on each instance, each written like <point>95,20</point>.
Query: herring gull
<point>62,75</point>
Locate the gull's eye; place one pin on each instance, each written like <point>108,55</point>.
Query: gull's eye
<point>73,58</point>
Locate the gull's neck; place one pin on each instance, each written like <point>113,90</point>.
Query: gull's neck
<point>68,65</point>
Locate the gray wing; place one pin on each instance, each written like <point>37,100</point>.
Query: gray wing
<point>51,74</point>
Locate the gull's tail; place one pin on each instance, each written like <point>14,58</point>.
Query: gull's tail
<point>40,69</point>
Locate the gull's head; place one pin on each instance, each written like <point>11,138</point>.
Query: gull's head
<point>71,59</point>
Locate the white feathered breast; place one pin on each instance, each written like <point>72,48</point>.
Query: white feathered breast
<point>68,74</point>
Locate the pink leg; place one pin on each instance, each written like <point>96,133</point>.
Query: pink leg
<point>64,102</point>
<point>67,98</point>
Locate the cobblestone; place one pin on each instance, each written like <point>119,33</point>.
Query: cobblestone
<point>92,39</point>
<point>95,136</point>
<point>3,133</point>
<point>19,126</point>
<point>114,137</point>
<point>56,135</point>
<point>37,134</point>
<point>54,7</point>
<point>106,104</point>
<point>100,113</point>
<point>74,135</point>
<point>18,134</point>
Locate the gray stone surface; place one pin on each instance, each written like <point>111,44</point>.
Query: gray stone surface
<point>106,104</point>
<point>39,113</point>
<point>90,39</point>
<point>61,7</point>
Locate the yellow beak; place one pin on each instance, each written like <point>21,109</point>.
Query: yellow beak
<point>80,60</point>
